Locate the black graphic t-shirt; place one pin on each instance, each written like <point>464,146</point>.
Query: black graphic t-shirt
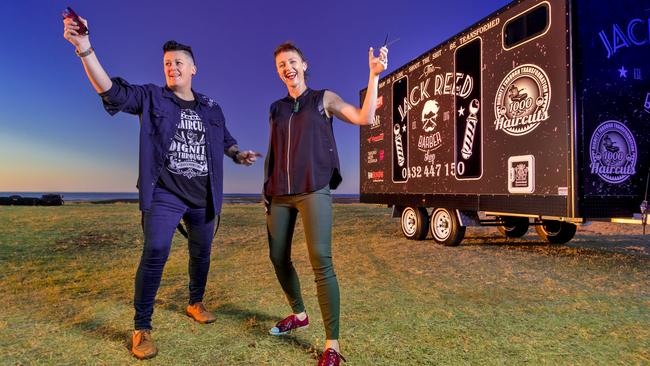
<point>186,166</point>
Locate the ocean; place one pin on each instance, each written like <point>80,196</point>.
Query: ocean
<point>133,196</point>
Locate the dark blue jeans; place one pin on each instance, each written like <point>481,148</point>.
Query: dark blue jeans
<point>159,225</point>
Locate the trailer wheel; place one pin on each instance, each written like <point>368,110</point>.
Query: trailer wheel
<point>556,232</point>
<point>513,226</point>
<point>445,227</point>
<point>415,223</point>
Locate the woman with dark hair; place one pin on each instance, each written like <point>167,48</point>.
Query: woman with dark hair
<point>300,170</point>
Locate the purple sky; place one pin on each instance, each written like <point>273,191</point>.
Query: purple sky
<point>55,135</point>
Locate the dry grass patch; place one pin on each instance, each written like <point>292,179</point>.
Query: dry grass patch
<point>67,286</point>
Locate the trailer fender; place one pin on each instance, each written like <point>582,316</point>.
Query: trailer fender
<point>468,218</point>
<point>397,211</point>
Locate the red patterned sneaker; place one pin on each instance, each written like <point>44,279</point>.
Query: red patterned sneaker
<point>288,324</point>
<point>331,358</point>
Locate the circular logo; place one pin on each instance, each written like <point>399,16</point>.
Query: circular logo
<point>613,152</point>
<point>522,100</point>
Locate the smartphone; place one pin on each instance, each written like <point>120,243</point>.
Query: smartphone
<point>69,13</point>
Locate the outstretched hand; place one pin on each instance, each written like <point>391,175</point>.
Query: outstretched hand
<point>71,33</point>
<point>247,157</point>
<point>378,64</point>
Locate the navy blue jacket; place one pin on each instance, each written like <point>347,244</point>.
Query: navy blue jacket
<point>159,115</point>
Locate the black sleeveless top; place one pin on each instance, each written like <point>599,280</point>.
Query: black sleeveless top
<point>302,155</point>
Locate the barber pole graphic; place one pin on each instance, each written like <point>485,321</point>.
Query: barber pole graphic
<point>468,138</point>
<point>470,130</point>
<point>400,131</point>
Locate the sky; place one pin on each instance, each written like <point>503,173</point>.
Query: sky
<point>56,137</point>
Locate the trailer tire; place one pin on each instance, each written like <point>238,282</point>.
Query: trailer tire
<point>556,232</point>
<point>415,223</point>
<point>446,228</point>
<point>513,226</point>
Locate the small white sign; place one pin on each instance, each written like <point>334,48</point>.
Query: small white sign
<point>521,174</point>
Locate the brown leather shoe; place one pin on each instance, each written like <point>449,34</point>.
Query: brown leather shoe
<point>142,345</point>
<point>198,312</point>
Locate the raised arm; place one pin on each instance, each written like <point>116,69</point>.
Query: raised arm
<point>96,74</point>
<point>335,105</point>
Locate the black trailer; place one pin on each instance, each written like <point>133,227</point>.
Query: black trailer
<point>538,114</point>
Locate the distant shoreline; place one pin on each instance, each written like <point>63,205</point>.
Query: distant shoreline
<point>132,197</point>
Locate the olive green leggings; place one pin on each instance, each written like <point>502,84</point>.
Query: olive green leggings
<point>316,212</point>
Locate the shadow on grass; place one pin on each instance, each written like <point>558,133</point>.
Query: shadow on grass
<point>95,328</point>
<point>591,245</point>
<point>254,320</point>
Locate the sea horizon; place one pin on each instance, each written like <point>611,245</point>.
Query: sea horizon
<point>133,196</point>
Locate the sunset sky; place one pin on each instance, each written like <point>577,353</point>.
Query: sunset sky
<point>56,137</point>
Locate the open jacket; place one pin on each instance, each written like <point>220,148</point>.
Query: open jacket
<point>159,114</point>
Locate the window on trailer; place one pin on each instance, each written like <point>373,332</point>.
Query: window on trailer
<point>526,26</point>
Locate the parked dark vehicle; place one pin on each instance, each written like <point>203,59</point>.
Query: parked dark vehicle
<point>45,200</point>
<point>52,200</point>
<point>536,115</point>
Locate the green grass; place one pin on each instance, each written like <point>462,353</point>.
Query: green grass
<point>66,287</point>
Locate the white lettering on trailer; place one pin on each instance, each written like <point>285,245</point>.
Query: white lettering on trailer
<point>427,143</point>
<point>634,34</point>
<point>430,157</point>
<point>444,84</point>
<point>415,66</point>
<point>376,122</point>
<point>414,98</point>
<point>478,31</point>
<point>647,103</point>
<point>450,84</point>
<point>428,69</point>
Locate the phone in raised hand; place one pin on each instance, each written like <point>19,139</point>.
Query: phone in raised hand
<point>69,13</point>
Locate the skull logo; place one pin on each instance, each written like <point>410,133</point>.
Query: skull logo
<point>192,138</point>
<point>429,115</point>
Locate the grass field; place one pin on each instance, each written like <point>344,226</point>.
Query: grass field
<point>66,287</point>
